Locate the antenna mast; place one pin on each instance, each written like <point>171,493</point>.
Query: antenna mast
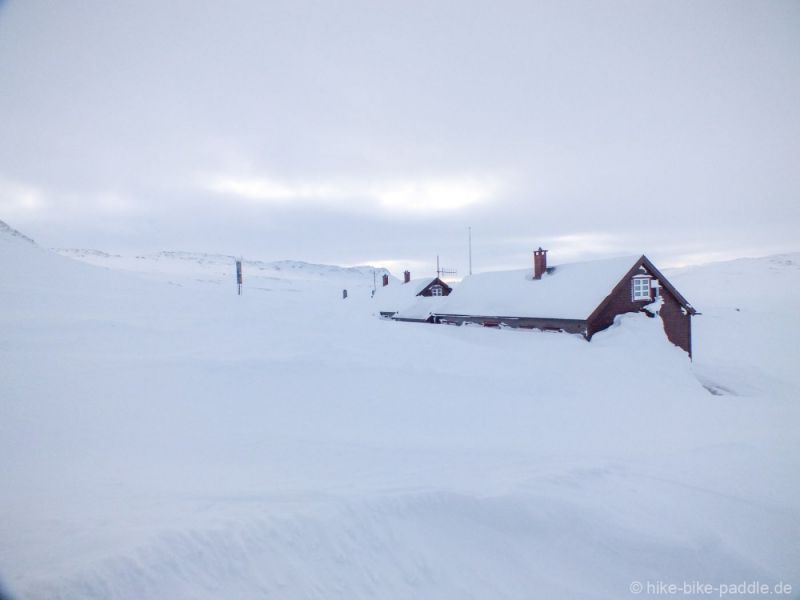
<point>469,230</point>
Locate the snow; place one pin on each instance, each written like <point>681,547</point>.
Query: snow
<point>655,306</point>
<point>200,269</point>
<point>170,441</point>
<point>421,307</point>
<point>569,291</point>
<point>398,295</point>
<point>744,342</point>
<point>10,232</point>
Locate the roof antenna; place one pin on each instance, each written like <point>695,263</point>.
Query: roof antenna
<point>440,271</point>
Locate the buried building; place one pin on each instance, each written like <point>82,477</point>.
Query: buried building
<point>576,298</point>
<point>411,299</point>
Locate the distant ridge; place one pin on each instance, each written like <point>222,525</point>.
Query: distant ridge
<point>83,252</point>
<point>6,229</point>
<point>201,258</point>
<point>216,269</point>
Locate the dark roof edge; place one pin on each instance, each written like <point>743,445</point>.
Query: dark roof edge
<point>643,260</point>
<point>665,282</point>
<point>495,317</point>
<point>433,282</point>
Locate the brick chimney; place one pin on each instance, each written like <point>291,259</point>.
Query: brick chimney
<point>539,263</point>
<point>385,280</point>
<point>406,276</point>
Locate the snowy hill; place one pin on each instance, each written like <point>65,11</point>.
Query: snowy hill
<point>177,441</point>
<point>9,232</point>
<point>193,268</point>
<point>744,339</point>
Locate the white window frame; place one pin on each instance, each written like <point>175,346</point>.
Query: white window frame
<point>437,290</point>
<point>640,288</point>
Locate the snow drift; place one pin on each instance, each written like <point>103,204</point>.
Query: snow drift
<point>178,441</point>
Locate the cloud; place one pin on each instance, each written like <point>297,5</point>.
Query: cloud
<point>371,130</point>
<point>394,196</point>
<point>586,244</point>
<point>20,200</point>
<point>26,204</point>
<point>417,267</point>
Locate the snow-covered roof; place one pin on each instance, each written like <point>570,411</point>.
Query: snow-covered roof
<point>398,295</point>
<point>569,291</point>
<point>421,307</point>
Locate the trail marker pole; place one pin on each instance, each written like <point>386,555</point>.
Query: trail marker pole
<point>239,275</point>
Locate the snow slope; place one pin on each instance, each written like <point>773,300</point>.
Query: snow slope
<point>198,269</point>
<point>168,441</point>
<point>745,341</point>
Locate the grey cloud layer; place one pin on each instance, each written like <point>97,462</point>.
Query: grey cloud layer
<point>347,132</point>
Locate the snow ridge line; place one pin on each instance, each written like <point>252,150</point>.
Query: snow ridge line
<point>6,229</point>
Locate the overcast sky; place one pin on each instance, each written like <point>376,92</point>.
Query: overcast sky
<point>377,131</point>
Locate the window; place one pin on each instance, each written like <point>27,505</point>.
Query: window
<point>641,288</point>
<point>436,290</point>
